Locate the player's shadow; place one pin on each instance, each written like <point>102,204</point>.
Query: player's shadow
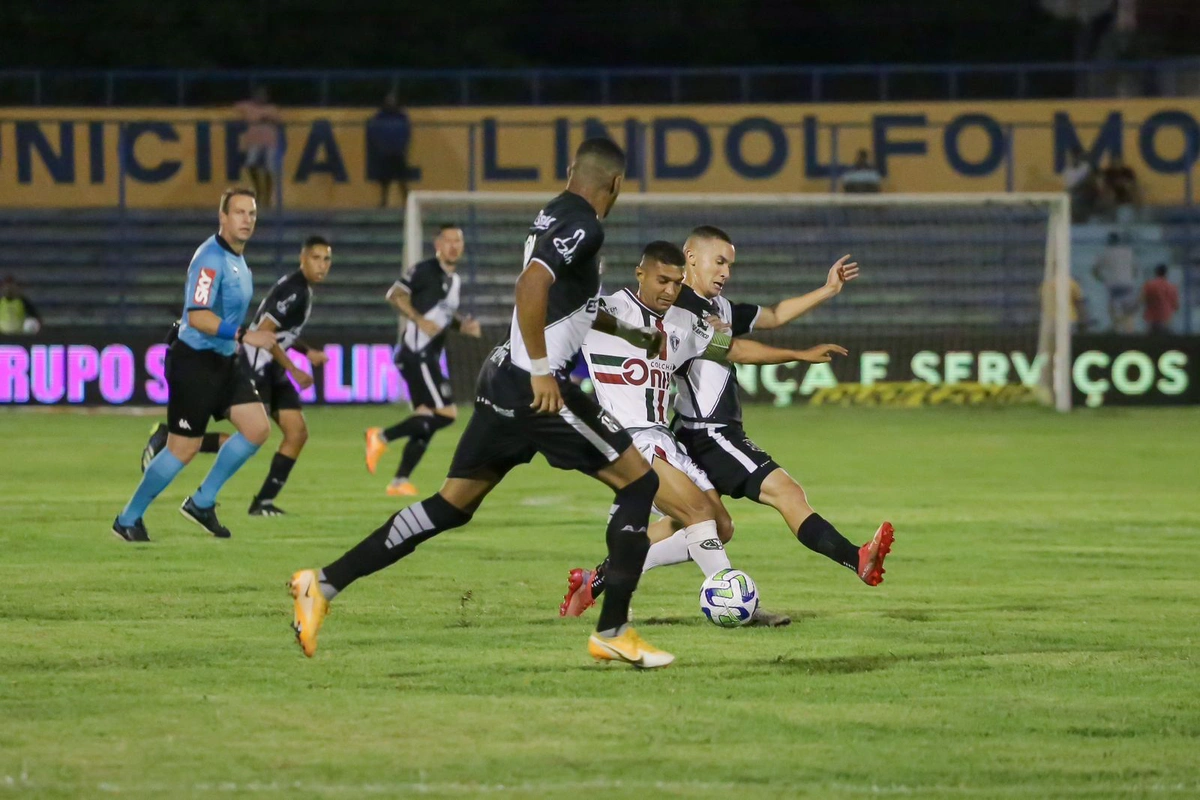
<point>849,665</point>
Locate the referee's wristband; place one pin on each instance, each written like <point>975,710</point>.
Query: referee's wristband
<point>227,330</point>
<point>539,366</point>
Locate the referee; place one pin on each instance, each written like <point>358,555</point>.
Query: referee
<point>205,379</point>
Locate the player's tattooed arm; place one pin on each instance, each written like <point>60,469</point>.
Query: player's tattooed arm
<point>785,311</point>
<point>649,338</point>
<point>748,351</point>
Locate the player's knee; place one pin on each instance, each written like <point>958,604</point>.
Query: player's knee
<point>297,437</point>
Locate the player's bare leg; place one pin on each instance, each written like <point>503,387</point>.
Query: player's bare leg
<point>312,589</point>
<point>782,492</point>
<point>295,435</point>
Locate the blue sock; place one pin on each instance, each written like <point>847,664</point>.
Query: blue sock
<point>234,453</point>
<point>159,474</point>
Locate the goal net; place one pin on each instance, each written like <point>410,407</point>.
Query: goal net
<point>963,298</point>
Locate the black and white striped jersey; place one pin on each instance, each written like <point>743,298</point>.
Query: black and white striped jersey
<point>565,238</point>
<point>288,305</point>
<point>435,294</point>
<point>707,390</point>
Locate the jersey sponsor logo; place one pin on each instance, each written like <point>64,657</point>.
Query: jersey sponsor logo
<point>630,371</point>
<point>593,305</point>
<point>542,222</point>
<point>567,247</point>
<point>203,293</point>
<point>283,305</point>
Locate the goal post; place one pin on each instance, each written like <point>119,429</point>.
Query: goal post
<point>947,279</point>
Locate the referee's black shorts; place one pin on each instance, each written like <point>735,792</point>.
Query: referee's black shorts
<point>736,466</point>
<point>422,370</point>
<point>505,432</point>
<point>203,385</point>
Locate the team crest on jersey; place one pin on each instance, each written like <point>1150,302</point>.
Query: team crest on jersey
<point>674,339</point>
<point>567,247</point>
<point>204,283</point>
<point>542,222</point>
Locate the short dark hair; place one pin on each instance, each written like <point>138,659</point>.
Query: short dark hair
<point>603,152</point>
<point>664,253</point>
<point>448,226</point>
<point>711,232</point>
<point>234,191</point>
<point>1161,270</point>
<point>313,241</point>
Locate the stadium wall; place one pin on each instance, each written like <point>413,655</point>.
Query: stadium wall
<point>66,368</point>
<point>74,157</point>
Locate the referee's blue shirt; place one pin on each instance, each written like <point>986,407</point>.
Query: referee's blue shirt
<point>219,281</point>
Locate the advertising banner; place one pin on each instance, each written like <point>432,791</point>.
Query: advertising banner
<point>184,157</point>
<point>78,368</point>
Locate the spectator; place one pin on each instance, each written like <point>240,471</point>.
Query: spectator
<point>261,140</point>
<point>1076,308</point>
<point>17,314</point>
<point>1121,188</point>
<point>1080,181</point>
<point>388,135</point>
<point>1115,268</point>
<point>1160,299</point>
<point>862,178</point>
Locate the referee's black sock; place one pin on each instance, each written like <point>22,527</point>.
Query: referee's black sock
<point>418,443</point>
<point>395,539</point>
<point>281,468</point>
<point>819,536</point>
<point>627,548</point>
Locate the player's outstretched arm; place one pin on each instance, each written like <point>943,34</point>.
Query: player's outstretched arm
<point>281,357</point>
<point>533,295</point>
<point>785,311</point>
<point>748,351</point>
<point>649,338</point>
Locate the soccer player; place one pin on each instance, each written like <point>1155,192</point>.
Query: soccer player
<point>427,296</point>
<point>708,418</point>
<point>284,310</point>
<point>525,405</point>
<point>204,377</point>
<point>634,388</point>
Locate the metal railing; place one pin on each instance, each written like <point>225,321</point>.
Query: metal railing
<point>535,86</point>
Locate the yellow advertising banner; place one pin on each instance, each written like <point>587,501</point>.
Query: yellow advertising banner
<point>184,157</point>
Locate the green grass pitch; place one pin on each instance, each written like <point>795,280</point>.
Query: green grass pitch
<point>1038,633</point>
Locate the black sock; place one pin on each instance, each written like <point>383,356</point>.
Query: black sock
<point>413,451</point>
<point>415,425</point>
<point>395,539</point>
<point>819,536</point>
<point>211,443</point>
<point>598,578</point>
<point>281,467</point>
<point>418,443</point>
<point>627,548</point>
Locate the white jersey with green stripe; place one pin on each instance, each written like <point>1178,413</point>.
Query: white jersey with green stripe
<point>632,387</point>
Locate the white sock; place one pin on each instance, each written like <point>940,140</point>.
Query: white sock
<point>672,550</point>
<point>705,548</point>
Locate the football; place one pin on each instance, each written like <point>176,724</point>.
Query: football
<point>729,598</point>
